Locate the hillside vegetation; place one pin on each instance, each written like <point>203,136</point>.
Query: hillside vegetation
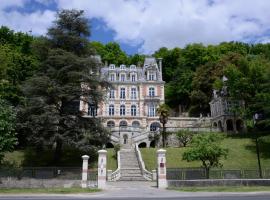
<point>242,155</point>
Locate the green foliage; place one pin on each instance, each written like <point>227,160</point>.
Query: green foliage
<point>7,128</point>
<point>50,117</point>
<point>207,149</point>
<point>184,137</point>
<point>17,63</point>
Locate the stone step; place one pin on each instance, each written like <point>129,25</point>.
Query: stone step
<point>131,178</point>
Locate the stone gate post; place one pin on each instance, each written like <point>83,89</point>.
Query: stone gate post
<point>84,171</point>
<point>102,162</point>
<point>161,169</point>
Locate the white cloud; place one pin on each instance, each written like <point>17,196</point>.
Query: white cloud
<point>157,23</point>
<point>36,22</point>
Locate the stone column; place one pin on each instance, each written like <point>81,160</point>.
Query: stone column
<point>161,169</point>
<point>102,162</point>
<point>84,171</point>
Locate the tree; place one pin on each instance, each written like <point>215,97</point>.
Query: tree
<point>184,137</point>
<point>67,75</point>
<point>163,112</point>
<point>7,128</point>
<point>206,148</point>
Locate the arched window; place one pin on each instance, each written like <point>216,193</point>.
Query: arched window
<point>110,124</point>
<point>133,77</point>
<point>111,110</point>
<point>123,124</point>
<point>151,91</point>
<point>133,110</point>
<point>122,110</point>
<point>112,77</point>
<point>135,124</point>
<point>154,126</point>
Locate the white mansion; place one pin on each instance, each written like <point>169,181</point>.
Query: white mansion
<point>129,109</point>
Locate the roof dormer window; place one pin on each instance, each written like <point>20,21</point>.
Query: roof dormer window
<point>132,67</point>
<point>112,66</point>
<point>122,67</point>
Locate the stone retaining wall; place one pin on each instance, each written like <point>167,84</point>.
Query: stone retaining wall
<point>41,183</point>
<point>219,182</point>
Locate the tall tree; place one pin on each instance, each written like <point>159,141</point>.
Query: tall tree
<point>68,74</point>
<point>7,131</point>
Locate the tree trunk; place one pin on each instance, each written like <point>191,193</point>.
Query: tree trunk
<point>57,152</point>
<point>163,136</point>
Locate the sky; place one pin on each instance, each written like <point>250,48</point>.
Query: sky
<point>144,26</point>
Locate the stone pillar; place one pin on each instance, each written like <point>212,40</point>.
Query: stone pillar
<point>102,162</point>
<point>84,171</point>
<point>161,169</point>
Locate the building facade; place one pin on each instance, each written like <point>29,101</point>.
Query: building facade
<point>129,110</point>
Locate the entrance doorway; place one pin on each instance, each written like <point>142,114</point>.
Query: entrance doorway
<point>125,137</point>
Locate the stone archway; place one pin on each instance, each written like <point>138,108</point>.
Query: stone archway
<point>125,137</point>
<point>220,128</point>
<point>142,145</point>
<point>239,125</point>
<point>153,144</point>
<point>109,145</point>
<point>215,126</point>
<point>229,125</point>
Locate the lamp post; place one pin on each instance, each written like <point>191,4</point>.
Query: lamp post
<point>163,120</point>
<point>255,119</point>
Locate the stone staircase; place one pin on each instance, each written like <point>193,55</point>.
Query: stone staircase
<point>130,169</point>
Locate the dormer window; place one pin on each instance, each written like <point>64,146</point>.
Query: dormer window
<point>151,76</point>
<point>122,67</point>
<point>132,67</point>
<point>112,66</point>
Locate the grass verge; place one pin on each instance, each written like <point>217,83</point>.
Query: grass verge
<point>47,190</point>
<point>224,189</point>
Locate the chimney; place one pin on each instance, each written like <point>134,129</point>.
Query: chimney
<point>160,66</point>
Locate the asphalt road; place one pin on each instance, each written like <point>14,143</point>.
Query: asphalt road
<point>143,190</point>
<point>230,197</point>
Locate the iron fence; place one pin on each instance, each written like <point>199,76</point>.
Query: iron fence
<point>199,173</point>
<point>65,173</point>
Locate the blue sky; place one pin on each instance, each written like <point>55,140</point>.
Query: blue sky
<point>143,26</point>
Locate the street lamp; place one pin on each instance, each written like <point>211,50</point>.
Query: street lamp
<point>257,117</point>
<point>163,120</point>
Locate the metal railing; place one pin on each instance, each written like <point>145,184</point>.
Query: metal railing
<point>65,173</point>
<point>199,173</point>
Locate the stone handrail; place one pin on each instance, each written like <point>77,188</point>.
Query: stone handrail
<point>146,174</point>
<point>114,176</point>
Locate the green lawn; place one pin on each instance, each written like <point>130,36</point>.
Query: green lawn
<point>223,189</point>
<point>47,190</point>
<point>242,155</point>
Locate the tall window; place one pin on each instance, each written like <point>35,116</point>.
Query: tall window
<point>151,92</point>
<point>112,94</point>
<point>133,110</point>
<point>122,93</point>
<point>122,77</point>
<point>133,93</point>
<point>133,77</point>
<point>92,110</point>
<point>112,77</point>
<point>151,110</point>
<point>111,110</point>
<point>122,110</point>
